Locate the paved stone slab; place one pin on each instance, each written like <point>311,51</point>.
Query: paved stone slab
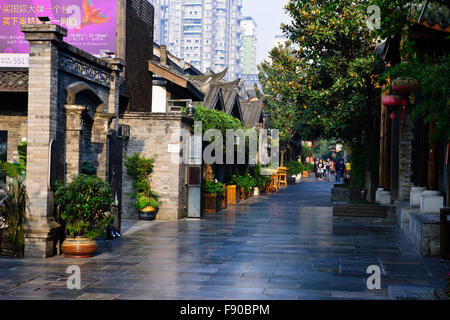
<point>282,246</point>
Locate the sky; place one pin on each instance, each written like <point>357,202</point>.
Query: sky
<point>268,14</point>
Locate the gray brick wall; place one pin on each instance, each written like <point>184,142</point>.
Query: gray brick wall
<point>16,126</point>
<point>151,134</point>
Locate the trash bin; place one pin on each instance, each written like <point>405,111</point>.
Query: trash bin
<point>445,233</point>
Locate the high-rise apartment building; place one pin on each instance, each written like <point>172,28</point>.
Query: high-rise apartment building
<point>249,45</point>
<point>206,33</point>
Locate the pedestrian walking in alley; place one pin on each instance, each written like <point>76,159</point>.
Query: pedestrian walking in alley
<point>335,168</point>
<point>316,168</point>
<point>320,170</point>
<point>328,165</point>
<point>340,170</point>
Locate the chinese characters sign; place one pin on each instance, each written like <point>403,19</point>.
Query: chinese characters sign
<point>91,25</point>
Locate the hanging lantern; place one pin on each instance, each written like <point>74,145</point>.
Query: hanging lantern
<point>404,86</point>
<point>394,101</point>
<point>392,116</point>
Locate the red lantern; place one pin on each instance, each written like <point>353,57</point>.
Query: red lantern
<point>394,101</point>
<point>405,86</point>
<point>392,116</point>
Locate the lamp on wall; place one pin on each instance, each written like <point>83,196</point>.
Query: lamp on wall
<point>190,110</point>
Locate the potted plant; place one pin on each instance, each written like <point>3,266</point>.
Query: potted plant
<point>83,206</point>
<point>239,182</point>
<point>295,168</point>
<point>140,170</point>
<point>211,200</point>
<point>148,206</point>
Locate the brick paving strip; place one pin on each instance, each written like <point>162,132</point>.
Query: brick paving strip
<point>282,246</point>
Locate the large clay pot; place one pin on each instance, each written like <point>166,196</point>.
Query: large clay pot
<point>79,247</point>
<point>148,214</point>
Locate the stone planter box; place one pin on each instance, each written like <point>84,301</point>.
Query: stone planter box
<point>355,194</point>
<point>445,233</point>
<point>424,233</point>
<point>291,181</point>
<point>340,194</point>
<point>361,210</point>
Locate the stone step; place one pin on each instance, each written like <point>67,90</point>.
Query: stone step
<point>355,210</point>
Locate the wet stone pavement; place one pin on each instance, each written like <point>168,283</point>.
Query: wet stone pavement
<point>281,246</point>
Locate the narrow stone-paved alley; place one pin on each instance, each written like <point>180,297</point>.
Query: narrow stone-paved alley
<point>278,246</point>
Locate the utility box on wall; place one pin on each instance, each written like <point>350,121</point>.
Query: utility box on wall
<point>194,191</point>
<point>194,177</point>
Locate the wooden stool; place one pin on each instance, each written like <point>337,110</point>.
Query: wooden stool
<point>274,183</point>
<point>282,174</point>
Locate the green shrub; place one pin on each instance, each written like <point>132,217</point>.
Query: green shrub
<point>215,119</point>
<point>212,187</point>
<point>308,167</point>
<point>140,170</point>
<point>246,182</point>
<point>84,204</point>
<point>294,168</point>
<point>143,202</point>
<point>88,169</point>
<point>13,211</point>
<point>260,181</point>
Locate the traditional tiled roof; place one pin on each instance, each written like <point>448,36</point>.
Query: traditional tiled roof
<point>13,79</point>
<point>436,13</point>
<point>230,93</point>
<point>210,78</point>
<point>252,112</point>
<point>177,74</point>
<point>214,94</point>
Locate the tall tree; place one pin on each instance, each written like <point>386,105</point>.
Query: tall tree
<point>281,79</point>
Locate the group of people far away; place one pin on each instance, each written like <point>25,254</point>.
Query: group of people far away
<point>323,169</point>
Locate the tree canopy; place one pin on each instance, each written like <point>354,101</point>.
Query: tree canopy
<point>323,78</point>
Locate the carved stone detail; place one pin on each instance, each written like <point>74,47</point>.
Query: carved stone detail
<point>74,118</point>
<point>85,71</point>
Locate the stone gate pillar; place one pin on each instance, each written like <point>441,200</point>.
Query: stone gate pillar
<point>74,139</point>
<point>41,226</point>
<point>405,158</point>
<point>100,132</point>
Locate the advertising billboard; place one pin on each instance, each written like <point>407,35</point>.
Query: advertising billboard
<point>91,25</point>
